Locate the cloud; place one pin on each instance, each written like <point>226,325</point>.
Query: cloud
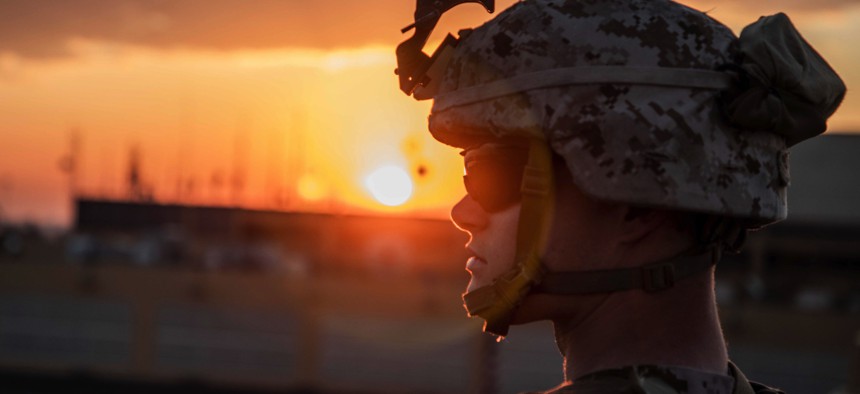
<point>800,5</point>
<point>44,29</point>
<point>749,10</point>
<point>41,29</point>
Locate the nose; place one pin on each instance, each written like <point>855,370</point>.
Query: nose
<point>468,216</point>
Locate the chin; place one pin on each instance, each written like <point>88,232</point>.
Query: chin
<point>474,285</point>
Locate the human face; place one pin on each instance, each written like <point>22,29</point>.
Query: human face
<point>492,240</point>
<point>583,230</point>
<point>491,224</point>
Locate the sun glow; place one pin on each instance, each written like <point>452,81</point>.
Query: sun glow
<point>310,188</point>
<point>390,185</point>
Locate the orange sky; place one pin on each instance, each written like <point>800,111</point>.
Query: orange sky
<point>280,92</point>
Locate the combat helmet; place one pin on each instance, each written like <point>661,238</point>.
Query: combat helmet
<point>648,102</point>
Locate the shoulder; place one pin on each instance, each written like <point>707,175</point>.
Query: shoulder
<point>654,379</point>
<point>745,386</point>
<point>759,388</point>
<point>649,379</point>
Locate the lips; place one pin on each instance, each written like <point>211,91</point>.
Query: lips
<point>475,263</point>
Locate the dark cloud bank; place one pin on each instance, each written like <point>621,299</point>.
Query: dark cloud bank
<point>41,29</point>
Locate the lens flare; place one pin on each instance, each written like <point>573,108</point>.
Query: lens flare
<point>390,185</point>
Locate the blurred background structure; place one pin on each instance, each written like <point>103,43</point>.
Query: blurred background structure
<point>235,197</point>
<point>145,295</point>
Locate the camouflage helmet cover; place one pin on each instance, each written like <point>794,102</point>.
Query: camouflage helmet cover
<point>649,145</point>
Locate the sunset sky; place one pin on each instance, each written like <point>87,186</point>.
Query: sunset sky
<point>266,104</point>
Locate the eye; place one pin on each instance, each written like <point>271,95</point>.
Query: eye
<point>494,184</point>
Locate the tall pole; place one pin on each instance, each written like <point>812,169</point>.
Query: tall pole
<point>74,157</point>
<point>69,164</point>
<point>237,178</point>
<point>484,374</point>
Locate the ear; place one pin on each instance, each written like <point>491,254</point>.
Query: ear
<point>639,222</point>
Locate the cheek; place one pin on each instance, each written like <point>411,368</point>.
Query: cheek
<point>580,236</point>
<point>504,246</point>
<point>565,247</point>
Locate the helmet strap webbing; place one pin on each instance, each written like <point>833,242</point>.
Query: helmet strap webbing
<point>496,303</point>
<point>652,277</point>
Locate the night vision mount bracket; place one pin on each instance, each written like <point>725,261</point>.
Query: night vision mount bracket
<point>420,74</point>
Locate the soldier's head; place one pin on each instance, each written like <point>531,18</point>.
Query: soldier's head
<point>590,125</point>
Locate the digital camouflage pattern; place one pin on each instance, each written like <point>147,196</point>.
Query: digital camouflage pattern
<point>647,145</point>
<point>652,379</point>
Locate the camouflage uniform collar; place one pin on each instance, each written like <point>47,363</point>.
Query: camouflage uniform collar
<point>647,379</point>
<point>745,386</point>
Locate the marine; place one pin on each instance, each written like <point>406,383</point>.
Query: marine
<point>613,151</point>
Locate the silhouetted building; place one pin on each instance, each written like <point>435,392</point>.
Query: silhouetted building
<point>207,236</point>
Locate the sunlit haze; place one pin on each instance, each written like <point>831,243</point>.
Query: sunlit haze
<point>271,105</point>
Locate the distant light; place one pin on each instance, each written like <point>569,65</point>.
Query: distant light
<point>310,188</point>
<point>390,185</point>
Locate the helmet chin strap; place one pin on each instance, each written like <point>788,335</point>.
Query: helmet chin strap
<point>653,277</point>
<point>496,303</point>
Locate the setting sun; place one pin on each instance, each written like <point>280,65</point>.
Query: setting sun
<point>254,113</point>
<point>390,185</point>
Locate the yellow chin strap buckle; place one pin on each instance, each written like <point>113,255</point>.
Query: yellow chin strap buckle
<point>496,303</point>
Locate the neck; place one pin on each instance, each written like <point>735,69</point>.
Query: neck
<point>675,327</point>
